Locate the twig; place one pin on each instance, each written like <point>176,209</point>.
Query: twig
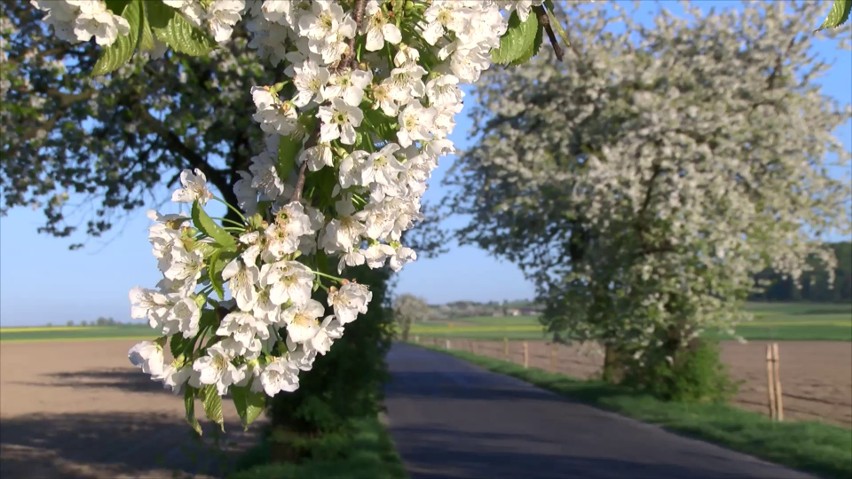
<point>544,21</point>
<point>346,62</point>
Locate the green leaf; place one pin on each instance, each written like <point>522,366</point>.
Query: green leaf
<point>213,405</point>
<point>170,27</point>
<point>189,404</point>
<point>218,260</point>
<point>539,39</point>
<point>146,35</point>
<point>379,123</point>
<point>209,319</point>
<point>119,53</point>
<point>249,404</point>
<point>177,345</point>
<point>518,41</point>
<point>838,15</point>
<point>206,225</point>
<point>214,272</point>
<point>288,150</point>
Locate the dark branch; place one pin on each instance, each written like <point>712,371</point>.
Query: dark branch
<point>174,143</point>
<point>345,63</point>
<point>544,21</point>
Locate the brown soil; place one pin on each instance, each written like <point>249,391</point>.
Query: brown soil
<point>80,410</point>
<point>816,376</point>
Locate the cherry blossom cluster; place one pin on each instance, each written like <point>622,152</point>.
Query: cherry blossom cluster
<point>352,135</point>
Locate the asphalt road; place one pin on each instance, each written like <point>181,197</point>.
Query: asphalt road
<point>453,420</point>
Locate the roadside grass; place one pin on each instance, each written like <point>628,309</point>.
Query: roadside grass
<point>368,454</point>
<point>814,447</point>
<point>62,333</point>
<point>773,321</point>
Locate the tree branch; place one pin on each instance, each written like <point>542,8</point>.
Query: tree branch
<point>544,21</point>
<point>345,63</point>
<point>175,144</point>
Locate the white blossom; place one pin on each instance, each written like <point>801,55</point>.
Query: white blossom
<point>279,375</point>
<point>339,121</point>
<point>290,281</point>
<point>274,116</point>
<point>194,188</point>
<point>222,15</point>
<point>147,356</point>
<point>302,320</point>
<point>215,368</point>
<point>242,279</point>
<point>349,300</point>
<point>379,28</point>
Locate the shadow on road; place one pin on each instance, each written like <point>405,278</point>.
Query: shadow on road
<point>123,379</point>
<point>130,380</point>
<point>465,385</point>
<point>77,446</point>
<point>429,459</point>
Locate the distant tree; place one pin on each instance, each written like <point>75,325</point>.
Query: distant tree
<point>104,321</point>
<point>70,322</point>
<point>407,309</point>
<point>816,285</point>
<point>643,183</point>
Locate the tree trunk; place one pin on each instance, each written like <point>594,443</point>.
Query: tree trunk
<point>613,368</point>
<point>406,328</point>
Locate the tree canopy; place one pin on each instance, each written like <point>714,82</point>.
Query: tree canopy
<point>106,142</point>
<point>645,181</point>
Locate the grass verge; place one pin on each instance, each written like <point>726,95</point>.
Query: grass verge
<point>814,447</point>
<point>367,454</point>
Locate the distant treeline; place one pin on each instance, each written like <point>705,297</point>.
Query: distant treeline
<point>814,284</point>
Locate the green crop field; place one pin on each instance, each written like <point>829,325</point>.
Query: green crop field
<point>79,333</point>
<point>773,321</point>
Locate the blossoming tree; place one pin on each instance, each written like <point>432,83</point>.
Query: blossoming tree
<point>361,98</point>
<point>644,182</point>
<point>408,309</point>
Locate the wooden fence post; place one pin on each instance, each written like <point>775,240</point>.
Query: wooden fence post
<point>448,345</point>
<point>526,355</point>
<point>416,339</point>
<point>776,364</point>
<point>770,382</point>
<point>506,348</point>
<point>553,356</point>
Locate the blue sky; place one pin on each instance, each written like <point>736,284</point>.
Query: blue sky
<point>42,282</point>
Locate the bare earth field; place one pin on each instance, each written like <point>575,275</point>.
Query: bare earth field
<point>79,410</point>
<point>816,376</point>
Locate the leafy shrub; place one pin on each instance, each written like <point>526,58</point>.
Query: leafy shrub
<point>692,374</point>
<point>344,385</point>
